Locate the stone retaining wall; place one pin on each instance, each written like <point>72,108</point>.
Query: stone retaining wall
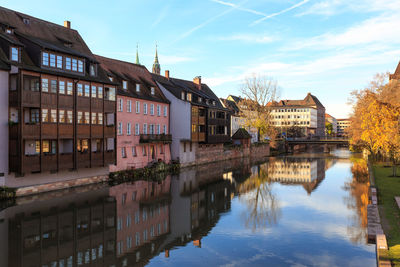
<point>36,189</point>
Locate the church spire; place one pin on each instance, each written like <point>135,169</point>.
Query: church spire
<point>137,54</point>
<point>156,65</point>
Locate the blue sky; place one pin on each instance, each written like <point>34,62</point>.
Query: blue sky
<point>328,48</point>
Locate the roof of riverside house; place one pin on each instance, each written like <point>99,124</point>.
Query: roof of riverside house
<point>133,74</point>
<point>231,105</point>
<point>309,101</point>
<point>396,74</point>
<point>176,86</point>
<point>30,31</point>
<point>241,133</point>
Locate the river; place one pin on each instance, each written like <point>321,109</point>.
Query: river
<point>298,210</point>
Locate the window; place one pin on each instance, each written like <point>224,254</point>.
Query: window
<point>145,128</point>
<point>128,128</point>
<point>53,117</point>
<point>137,87</point>
<point>45,85</point>
<point>45,59</point>
<point>137,130</point>
<point>158,110</point>
<point>152,90</point>
<point>69,116</point>
<point>74,64</point>
<point>59,62</point>
<point>133,155</point>
<point>158,129</point>
<point>124,85</point>
<point>100,118</point>
<point>137,107</point>
<point>94,118</point>
<point>120,104</point>
<point>189,97</point>
<point>94,91</point>
<point>100,92</point>
<point>82,145</point>
<point>109,94</point>
<point>129,106</point>
<point>165,111</point>
<point>87,90</point>
<point>137,239</point>
<point>151,128</point>
<point>165,129</point>
<point>120,128</point>
<point>145,108</point>
<point>151,109</point>
<point>61,87</point>
<point>183,95</point>
<point>14,54</point>
<point>80,66</point>
<point>52,60</point>
<point>87,115</point>
<point>35,115</point>
<point>69,88</point>
<point>61,116</point>
<point>68,63</point>
<point>45,115</point>
<point>92,70</point>
<point>80,118</point>
<point>123,152</point>
<point>144,151</point>
<point>79,89</point>
<point>53,86</point>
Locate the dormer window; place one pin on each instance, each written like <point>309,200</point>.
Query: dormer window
<point>183,95</point>
<point>92,70</point>
<point>15,54</point>
<point>189,97</point>
<point>45,59</point>
<point>199,99</point>
<point>137,87</point>
<point>111,78</point>
<point>52,60</point>
<point>213,103</point>
<point>26,21</point>
<point>124,85</point>
<point>9,31</point>
<point>152,90</point>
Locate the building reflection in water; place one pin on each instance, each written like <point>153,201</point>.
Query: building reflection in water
<point>131,223</point>
<point>71,230</point>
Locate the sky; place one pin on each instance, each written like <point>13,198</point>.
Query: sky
<point>326,47</point>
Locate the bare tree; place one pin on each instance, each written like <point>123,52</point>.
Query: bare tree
<point>257,91</point>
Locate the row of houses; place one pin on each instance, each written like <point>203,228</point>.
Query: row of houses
<point>67,113</point>
<point>65,109</point>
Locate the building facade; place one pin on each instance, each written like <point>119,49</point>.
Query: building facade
<point>142,116</point>
<point>307,115</point>
<point>61,104</point>
<point>342,124</point>
<point>332,120</point>
<point>197,116</point>
<point>237,120</point>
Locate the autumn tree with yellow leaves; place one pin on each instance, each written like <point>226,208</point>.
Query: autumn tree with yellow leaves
<point>375,119</point>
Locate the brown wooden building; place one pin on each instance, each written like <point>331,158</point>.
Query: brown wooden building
<point>62,107</point>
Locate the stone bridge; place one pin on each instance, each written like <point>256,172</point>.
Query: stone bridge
<point>304,144</point>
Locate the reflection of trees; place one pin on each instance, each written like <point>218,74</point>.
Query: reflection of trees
<point>358,200</point>
<point>262,205</point>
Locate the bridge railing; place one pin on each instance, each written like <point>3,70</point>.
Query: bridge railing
<point>318,138</point>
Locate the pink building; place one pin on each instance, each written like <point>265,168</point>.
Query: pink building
<point>142,213</point>
<point>142,116</point>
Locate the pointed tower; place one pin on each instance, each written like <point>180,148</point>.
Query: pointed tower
<point>137,54</point>
<point>156,65</point>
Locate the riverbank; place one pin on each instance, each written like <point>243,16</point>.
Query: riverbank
<point>389,187</point>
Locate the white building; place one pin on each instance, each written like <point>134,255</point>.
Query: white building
<point>342,124</point>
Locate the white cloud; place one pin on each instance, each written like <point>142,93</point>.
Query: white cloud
<point>171,59</point>
<point>250,38</point>
<point>382,30</point>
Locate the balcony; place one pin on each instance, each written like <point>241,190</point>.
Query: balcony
<point>83,160</point>
<point>97,159</point>
<point>65,131</point>
<point>31,164</point>
<point>109,106</point>
<point>49,131</point>
<point>30,98</point>
<point>109,131</point>
<point>109,158</point>
<point>97,131</point>
<point>49,162</point>
<point>66,161</point>
<point>155,138</point>
<point>31,130</point>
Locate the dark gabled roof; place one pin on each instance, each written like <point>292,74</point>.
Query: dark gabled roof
<point>175,86</point>
<point>237,99</point>
<point>46,34</point>
<point>231,105</point>
<point>241,133</point>
<point>309,101</point>
<point>4,62</point>
<point>133,74</point>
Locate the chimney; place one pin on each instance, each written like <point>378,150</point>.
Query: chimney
<point>167,74</point>
<point>167,253</point>
<point>197,80</point>
<point>67,24</point>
